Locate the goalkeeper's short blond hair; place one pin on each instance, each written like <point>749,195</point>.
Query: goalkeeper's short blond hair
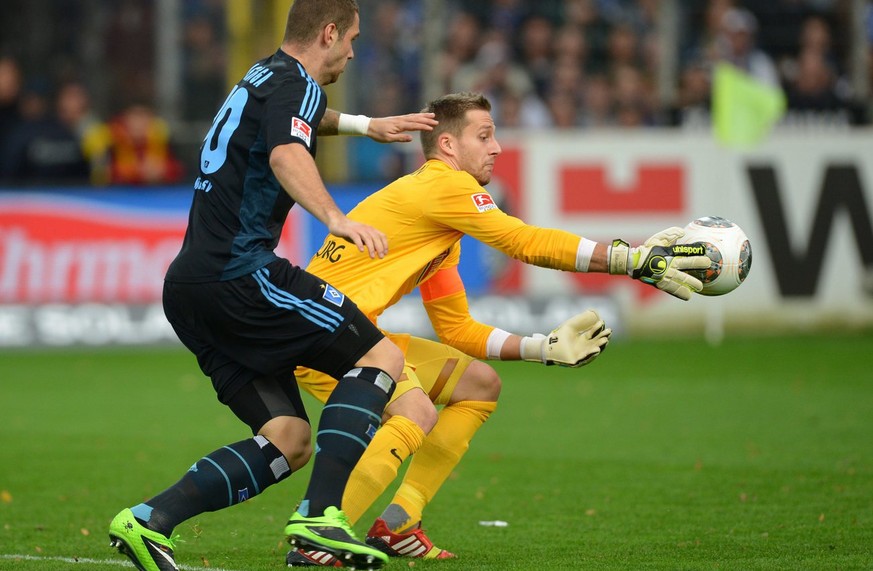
<point>451,112</point>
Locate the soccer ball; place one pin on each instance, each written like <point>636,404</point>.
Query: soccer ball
<point>729,249</point>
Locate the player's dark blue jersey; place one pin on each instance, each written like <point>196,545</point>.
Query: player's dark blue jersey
<point>239,207</point>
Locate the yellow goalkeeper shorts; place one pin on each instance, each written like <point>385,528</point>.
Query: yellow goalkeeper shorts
<point>434,367</point>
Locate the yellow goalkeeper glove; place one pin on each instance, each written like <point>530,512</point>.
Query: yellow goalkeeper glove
<point>660,262</point>
<point>574,343</point>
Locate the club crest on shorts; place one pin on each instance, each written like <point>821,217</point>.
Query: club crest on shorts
<point>301,130</point>
<point>483,202</point>
<point>333,295</point>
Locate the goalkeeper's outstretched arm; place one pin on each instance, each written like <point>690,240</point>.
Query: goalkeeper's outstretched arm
<point>574,343</point>
<point>658,262</point>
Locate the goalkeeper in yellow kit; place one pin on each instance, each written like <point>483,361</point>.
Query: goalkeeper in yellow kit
<point>424,215</point>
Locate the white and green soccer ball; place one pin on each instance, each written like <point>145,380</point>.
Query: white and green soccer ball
<point>728,248</point>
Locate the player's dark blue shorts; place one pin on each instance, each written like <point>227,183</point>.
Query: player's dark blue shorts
<point>265,324</point>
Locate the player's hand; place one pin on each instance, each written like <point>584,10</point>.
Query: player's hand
<point>660,262</point>
<point>574,343</point>
<point>396,129</point>
<point>361,235</point>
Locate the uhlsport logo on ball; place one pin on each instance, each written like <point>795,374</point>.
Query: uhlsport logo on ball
<point>727,247</point>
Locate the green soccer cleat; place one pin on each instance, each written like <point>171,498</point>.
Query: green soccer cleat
<point>332,533</point>
<point>149,550</point>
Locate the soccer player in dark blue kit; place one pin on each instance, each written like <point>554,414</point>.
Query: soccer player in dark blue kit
<point>251,317</point>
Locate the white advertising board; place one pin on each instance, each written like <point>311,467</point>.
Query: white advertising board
<point>805,202</point>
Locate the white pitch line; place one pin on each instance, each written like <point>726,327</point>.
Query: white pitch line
<point>77,560</point>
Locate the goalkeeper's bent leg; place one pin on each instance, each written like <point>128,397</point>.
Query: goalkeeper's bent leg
<point>349,421</point>
<point>398,438</point>
<point>441,451</point>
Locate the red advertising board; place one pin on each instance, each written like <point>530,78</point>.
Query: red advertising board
<point>107,248</point>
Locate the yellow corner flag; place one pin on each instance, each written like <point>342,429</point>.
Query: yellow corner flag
<point>743,108</point>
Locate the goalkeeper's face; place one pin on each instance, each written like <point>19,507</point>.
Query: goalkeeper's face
<point>477,146</point>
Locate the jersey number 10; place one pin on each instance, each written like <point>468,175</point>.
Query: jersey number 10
<point>226,121</point>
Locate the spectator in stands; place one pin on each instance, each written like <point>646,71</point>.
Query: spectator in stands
<point>597,103</point>
<point>585,15</point>
<point>642,17</point>
<point>129,42</point>
<point>633,96</point>
<point>570,53</point>
<point>783,21</point>
<point>694,98</point>
<point>392,51</point>
<point>204,68</point>
<point>644,23</point>
<point>569,43</point>
<point>522,110</point>
<point>369,159</point>
<point>814,35</point>
<point>535,51</point>
<point>813,88</point>
<point>463,39</point>
<point>10,92</point>
<point>704,31</point>
<point>493,72</point>
<point>140,149</point>
<point>505,17</point>
<point>564,96</point>
<point>562,109</point>
<point>567,77</point>
<point>75,112</point>
<point>737,45</point>
<point>41,149</point>
<point>623,48</point>
<point>817,90</point>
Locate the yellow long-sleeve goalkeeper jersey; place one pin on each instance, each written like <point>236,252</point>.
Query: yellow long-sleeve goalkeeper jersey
<point>424,215</point>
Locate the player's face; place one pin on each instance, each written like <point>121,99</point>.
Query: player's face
<point>341,52</point>
<point>478,148</point>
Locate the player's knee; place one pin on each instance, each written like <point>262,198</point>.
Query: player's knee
<point>488,382</point>
<point>299,457</point>
<point>395,360</point>
<point>293,437</point>
<point>417,407</point>
<point>479,382</point>
<point>385,355</point>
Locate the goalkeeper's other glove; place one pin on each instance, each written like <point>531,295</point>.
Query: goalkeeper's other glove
<point>574,343</point>
<point>660,262</point>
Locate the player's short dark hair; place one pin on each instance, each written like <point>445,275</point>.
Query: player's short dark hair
<point>307,18</point>
<point>451,112</point>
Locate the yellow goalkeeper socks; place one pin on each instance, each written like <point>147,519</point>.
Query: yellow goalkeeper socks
<point>435,460</point>
<point>393,443</point>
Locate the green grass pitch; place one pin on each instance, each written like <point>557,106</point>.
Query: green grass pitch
<point>674,455</point>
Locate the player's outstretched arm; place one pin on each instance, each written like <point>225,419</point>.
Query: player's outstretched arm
<point>574,343</point>
<point>659,262</point>
<point>395,129</point>
<point>296,171</point>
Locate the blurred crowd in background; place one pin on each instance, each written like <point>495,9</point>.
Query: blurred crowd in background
<point>79,102</point>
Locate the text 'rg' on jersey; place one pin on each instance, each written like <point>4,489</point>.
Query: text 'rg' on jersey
<point>239,207</point>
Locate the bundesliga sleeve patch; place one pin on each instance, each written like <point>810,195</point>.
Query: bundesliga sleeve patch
<point>483,202</point>
<point>301,130</point>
